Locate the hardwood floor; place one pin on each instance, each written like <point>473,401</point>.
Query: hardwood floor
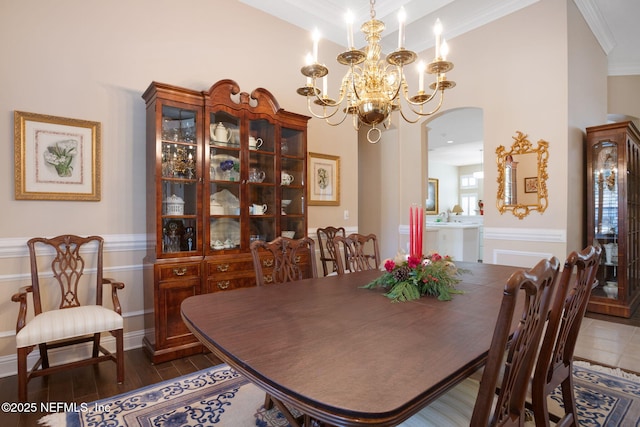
<point>86,384</point>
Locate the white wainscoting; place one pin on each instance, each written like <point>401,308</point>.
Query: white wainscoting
<point>508,255</point>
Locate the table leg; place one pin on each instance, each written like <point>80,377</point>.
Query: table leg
<point>285,411</point>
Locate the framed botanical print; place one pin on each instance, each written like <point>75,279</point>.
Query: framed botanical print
<point>431,206</point>
<point>56,158</point>
<point>531,185</point>
<point>324,179</point>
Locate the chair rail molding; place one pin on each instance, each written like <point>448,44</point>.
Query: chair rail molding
<point>549,235</point>
<point>16,247</point>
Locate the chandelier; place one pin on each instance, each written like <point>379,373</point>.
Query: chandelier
<point>372,88</point>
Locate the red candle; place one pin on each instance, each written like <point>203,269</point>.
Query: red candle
<point>415,232</point>
<point>420,217</point>
<point>411,238</point>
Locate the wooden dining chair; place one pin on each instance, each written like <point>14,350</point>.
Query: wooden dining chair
<point>327,249</point>
<point>555,361</point>
<point>457,406</point>
<point>287,260</point>
<point>66,322</point>
<point>360,252</point>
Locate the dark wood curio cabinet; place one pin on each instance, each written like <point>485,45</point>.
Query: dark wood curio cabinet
<point>613,216</point>
<point>224,168</point>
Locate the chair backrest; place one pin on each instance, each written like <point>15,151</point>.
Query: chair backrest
<point>67,266</point>
<point>327,248</point>
<point>360,252</point>
<point>565,318</point>
<point>288,260</point>
<point>537,285</point>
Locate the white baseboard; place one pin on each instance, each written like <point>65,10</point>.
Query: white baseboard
<point>8,364</point>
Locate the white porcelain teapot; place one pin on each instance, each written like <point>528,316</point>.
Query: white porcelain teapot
<point>286,179</point>
<point>219,133</point>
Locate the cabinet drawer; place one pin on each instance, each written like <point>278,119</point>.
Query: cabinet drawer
<point>222,283</point>
<point>179,271</point>
<point>229,265</point>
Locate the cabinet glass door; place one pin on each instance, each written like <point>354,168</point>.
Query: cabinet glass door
<point>179,183</point>
<point>606,214</point>
<point>292,183</point>
<point>224,177</point>
<point>261,180</point>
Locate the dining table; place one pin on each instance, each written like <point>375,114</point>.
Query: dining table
<point>346,355</point>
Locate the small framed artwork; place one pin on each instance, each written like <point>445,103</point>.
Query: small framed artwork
<point>324,180</point>
<point>531,185</point>
<point>56,158</point>
<point>431,207</point>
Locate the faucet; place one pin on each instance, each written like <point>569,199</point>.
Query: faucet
<point>444,215</point>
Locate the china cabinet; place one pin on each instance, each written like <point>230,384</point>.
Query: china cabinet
<point>613,216</point>
<point>224,168</point>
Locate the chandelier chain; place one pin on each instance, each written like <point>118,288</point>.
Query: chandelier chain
<point>372,12</point>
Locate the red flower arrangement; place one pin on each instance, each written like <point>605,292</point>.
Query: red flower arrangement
<point>410,277</point>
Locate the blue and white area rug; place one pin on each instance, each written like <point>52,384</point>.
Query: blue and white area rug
<point>604,396</point>
<point>216,396</point>
<point>219,396</point>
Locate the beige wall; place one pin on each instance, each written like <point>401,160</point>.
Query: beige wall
<point>623,96</point>
<point>93,60</point>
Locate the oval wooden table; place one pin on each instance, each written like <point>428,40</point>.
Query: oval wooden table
<point>349,356</point>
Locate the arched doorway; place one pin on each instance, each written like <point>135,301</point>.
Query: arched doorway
<point>454,143</point>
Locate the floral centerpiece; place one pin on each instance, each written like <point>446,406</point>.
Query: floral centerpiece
<point>411,277</point>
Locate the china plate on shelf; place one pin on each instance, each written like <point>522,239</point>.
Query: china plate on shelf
<point>224,143</point>
<point>225,228</point>
<point>218,174</point>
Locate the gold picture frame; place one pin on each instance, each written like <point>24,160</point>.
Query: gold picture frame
<point>431,204</point>
<point>531,184</point>
<point>56,158</point>
<point>324,180</point>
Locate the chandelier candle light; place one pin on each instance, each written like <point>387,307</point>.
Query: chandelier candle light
<point>372,88</point>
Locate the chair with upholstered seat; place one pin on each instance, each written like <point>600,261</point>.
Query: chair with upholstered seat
<point>285,260</point>
<point>57,324</point>
<point>360,252</point>
<point>555,361</point>
<point>508,406</point>
<point>327,251</point>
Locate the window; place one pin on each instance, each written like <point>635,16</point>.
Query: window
<point>469,203</point>
<point>468,181</point>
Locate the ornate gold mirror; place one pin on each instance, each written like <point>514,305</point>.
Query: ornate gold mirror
<point>522,176</point>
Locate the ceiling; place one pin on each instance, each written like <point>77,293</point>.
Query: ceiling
<point>613,23</point>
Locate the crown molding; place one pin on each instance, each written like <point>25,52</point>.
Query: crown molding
<point>597,23</point>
